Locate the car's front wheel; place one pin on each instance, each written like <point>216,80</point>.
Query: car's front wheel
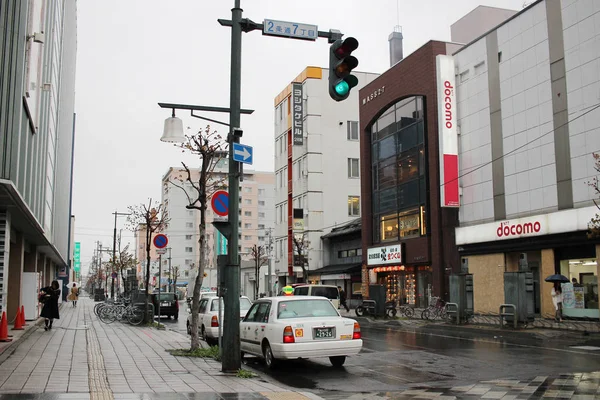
<point>337,361</point>
<point>269,358</point>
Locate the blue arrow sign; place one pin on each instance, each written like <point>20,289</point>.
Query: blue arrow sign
<point>242,153</point>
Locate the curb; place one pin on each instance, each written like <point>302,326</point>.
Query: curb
<point>9,350</point>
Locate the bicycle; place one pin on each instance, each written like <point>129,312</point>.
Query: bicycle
<point>436,309</point>
<point>392,309</point>
<point>111,313</point>
<point>367,306</point>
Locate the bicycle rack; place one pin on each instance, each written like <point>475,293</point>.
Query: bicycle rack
<point>503,313</point>
<point>455,312</point>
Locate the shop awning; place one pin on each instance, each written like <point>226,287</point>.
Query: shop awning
<point>336,269</point>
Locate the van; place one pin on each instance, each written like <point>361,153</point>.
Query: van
<point>331,292</point>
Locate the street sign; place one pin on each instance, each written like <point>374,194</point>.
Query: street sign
<point>113,275</point>
<point>242,153</point>
<point>160,241</point>
<point>161,251</point>
<point>220,203</point>
<point>76,257</point>
<point>292,30</point>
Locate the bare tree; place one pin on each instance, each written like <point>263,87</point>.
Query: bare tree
<point>301,244</point>
<point>594,183</point>
<point>124,259</point>
<point>260,258</point>
<point>210,147</point>
<point>152,217</point>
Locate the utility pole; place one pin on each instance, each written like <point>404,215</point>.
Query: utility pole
<point>114,257</point>
<point>231,359</point>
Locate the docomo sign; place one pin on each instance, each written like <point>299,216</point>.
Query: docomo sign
<point>384,255</point>
<point>448,137</point>
<point>506,229</point>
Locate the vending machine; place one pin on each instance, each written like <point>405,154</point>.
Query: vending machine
<point>31,287</point>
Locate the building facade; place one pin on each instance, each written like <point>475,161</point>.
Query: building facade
<point>37,125</point>
<point>256,222</point>
<point>407,237</point>
<point>528,99</point>
<point>317,169</point>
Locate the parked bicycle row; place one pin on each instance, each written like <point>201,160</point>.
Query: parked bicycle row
<point>123,309</point>
<point>436,309</point>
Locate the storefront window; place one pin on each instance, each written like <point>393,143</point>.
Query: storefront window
<point>409,224</point>
<point>580,296</point>
<point>389,227</point>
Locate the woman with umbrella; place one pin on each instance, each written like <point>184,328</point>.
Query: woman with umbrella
<point>556,293</point>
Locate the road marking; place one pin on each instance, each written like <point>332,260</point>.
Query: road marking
<point>586,347</point>
<point>479,341</point>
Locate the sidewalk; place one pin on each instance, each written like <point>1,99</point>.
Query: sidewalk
<point>93,360</point>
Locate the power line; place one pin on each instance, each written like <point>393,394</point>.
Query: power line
<point>591,108</point>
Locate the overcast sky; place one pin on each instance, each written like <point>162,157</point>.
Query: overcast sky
<point>132,54</point>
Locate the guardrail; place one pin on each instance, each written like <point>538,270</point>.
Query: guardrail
<point>504,313</point>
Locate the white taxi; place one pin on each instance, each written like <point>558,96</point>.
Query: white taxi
<point>208,317</point>
<point>289,327</point>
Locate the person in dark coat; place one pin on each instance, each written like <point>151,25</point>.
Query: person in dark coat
<point>50,295</point>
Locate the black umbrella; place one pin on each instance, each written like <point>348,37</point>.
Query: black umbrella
<point>557,278</point>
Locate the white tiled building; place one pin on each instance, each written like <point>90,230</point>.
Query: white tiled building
<point>528,94</point>
<point>321,176</point>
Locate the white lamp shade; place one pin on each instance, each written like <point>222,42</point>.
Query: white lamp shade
<point>173,131</point>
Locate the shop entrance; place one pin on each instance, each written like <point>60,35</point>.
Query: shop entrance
<point>407,285</point>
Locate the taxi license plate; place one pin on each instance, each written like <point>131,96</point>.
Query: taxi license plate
<point>323,333</point>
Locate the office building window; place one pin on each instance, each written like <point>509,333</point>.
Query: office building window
<point>352,130</point>
<point>261,238</point>
<point>247,213</point>
<point>189,225</point>
<point>188,249</point>
<point>353,206</point>
<point>247,250</point>
<point>188,237</point>
<point>248,201</point>
<point>261,226</point>
<point>188,261</point>
<point>261,202</point>
<point>353,168</point>
<point>247,189</point>
<point>261,192</point>
<point>261,215</point>
<point>247,226</point>
<point>247,237</point>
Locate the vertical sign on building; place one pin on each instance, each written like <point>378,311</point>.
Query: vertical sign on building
<point>76,257</point>
<point>448,135</point>
<point>297,114</point>
<point>220,243</point>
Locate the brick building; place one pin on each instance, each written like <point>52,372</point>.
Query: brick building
<point>408,238</point>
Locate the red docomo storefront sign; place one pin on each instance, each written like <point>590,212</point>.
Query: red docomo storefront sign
<point>507,229</point>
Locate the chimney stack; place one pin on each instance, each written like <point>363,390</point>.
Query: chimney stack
<point>395,39</point>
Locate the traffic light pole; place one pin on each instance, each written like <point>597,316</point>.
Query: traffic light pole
<point>231,354</point>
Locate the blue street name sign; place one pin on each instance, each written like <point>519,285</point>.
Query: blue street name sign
<point>242,153</point>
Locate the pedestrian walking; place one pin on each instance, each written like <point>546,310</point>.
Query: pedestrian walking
<point>557,299</point>
<point>74,295</point>
<point>343,298</point>
<point>49,296</point>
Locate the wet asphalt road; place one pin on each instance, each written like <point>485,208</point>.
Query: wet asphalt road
<point>395,359</point>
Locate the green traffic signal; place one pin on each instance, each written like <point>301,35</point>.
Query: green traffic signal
<point>341,64</point>
<point>342,88</point>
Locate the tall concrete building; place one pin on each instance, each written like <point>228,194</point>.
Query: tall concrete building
<point>317,184</point>
<point>256,221</point>
<point>38,42</point>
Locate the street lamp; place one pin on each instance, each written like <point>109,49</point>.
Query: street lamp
<point>173,130</point>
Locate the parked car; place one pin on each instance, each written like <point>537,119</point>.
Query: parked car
<point>329,291</point>
<point>281,328</point>
<point>208,317</point>
<point>169,305</point>
<point>202,296</point>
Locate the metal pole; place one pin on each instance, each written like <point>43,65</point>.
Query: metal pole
<point>159,277</point>
<point>170,276</point>
<point>231,360</point>
<point>269,278</point>
<point>114,258</point>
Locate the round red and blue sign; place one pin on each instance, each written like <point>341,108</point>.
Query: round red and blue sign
<point>220,203</point>
<point>160,241</point>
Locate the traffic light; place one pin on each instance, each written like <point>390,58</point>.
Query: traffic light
<point>341,63</point>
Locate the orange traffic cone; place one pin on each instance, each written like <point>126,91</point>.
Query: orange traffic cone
<point>23,316</point>
<point>4,329</point>
<point>18,325</point>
